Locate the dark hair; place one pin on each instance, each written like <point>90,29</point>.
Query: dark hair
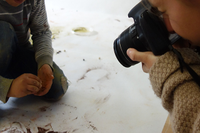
<point>150,8</point>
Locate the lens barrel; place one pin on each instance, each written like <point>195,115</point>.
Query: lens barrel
<point>121,55</point>
<point>127,39</point>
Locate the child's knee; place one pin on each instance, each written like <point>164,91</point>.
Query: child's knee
<point>6,28</point>
<point>64,83</point>
<point>8,36</point>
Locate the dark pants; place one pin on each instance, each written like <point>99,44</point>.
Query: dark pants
<point>15,61</point>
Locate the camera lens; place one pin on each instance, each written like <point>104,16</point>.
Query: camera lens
<point>127,39</point>
<point>120,53</point>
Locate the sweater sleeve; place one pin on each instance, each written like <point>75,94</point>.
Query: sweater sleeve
<point>4,88</point>
<point>41,34</point>
<point>179,93</point>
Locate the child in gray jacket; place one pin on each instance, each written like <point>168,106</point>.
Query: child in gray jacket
<point>27,68</point>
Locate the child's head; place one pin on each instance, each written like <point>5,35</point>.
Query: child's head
<point>181,16</point>
<point>15,3</point>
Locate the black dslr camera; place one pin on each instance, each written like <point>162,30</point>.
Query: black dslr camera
<point>148,33</point>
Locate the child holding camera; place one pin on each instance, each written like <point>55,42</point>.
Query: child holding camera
<point>179,93</point>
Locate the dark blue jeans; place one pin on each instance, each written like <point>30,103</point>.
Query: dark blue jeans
<point>15,61</point>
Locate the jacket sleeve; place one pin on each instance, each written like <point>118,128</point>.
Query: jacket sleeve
<point>41,34</point>
<point>4,88</point>
<point>179,93</point>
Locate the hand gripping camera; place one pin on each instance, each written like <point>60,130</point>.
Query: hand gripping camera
<point>148,33</point>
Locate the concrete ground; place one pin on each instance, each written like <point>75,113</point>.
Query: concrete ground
<point>103,96</point>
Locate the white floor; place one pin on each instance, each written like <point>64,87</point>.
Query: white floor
<point>103,96</point>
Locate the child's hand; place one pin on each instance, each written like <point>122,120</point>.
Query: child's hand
<point>46,75</point>
<point>24,85</point>
<point>147,58</point>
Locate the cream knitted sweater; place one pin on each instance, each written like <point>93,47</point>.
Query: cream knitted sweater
<point>179,93</point>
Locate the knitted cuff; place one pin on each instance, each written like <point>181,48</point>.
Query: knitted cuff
<point>167,65</point>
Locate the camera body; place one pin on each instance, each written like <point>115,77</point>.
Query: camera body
<point>148,33</point>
